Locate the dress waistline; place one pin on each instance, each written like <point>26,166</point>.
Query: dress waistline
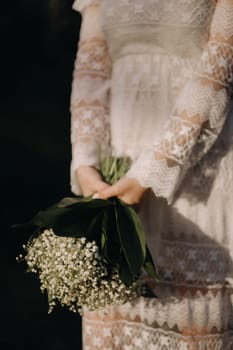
<point>150,50</point>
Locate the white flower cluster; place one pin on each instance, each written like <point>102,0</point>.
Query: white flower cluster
<point>72,272</point>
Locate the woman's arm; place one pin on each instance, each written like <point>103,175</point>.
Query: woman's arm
<point>198,115</point>
<point>90,95</point>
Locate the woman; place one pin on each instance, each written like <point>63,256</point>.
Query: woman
<point>153,81</point>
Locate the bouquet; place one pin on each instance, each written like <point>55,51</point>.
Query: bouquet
<point>89,252</point>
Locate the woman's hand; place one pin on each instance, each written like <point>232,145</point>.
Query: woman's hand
<point>90,180</point>
<point>127,189</point>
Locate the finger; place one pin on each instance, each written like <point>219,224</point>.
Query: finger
<point>111,191</point>
<point>101,186</point>
<point>94,188</point>
<point>130,201</point>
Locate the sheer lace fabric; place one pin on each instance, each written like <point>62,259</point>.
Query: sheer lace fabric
<point>147,325</point>
<point>130,336</point>
<point>90,97</point>
<point>81,5</point>
<point>202,101</point>
<point>153,80</point>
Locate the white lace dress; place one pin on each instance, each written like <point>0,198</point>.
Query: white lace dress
<point>153,80</point>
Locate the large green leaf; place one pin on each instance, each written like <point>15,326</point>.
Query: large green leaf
<point>125,273</point>
<point>70,216</point>
<point>104,239</point>
<point>47,217</point>
<point>83,220</point>
<point>149,266</point>
<point>139,230</point>
<point>88,203</point>
<point>66,201</point>
<point>110,240</point>
<point>44,218</point>
<point>131,235</point>
<point>94,229</point>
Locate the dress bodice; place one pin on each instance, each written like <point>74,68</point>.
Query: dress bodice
<point>163,94</point>
<point>180,27</point>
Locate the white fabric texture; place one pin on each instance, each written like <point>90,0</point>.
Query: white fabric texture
<point>81,5</point>
<point>153,81</point>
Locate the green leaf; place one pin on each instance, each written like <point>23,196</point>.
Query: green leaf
<point>139,230</point>
<point>67,201</point>
<point>94,230</point>
<point>131,235</point>
<point>69,217</point>
<point>113,168</point>
<point>104,239</point>
<point>45,218</point>
<point>88,203</point>
<point>110,240</point>
<point>83,219</point>
<point>149,266</point>
<point>78,224</point>
<point>125,274</point>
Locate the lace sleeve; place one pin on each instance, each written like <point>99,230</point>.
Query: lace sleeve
<point>81,5</point>
<point>90,95</point>
<point>198,115</point>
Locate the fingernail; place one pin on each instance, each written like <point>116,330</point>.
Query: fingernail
<point>95,196</point>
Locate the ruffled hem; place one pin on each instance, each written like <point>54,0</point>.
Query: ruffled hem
<point>115,334</point>
<point>209,311</point>
<point>80,5</point>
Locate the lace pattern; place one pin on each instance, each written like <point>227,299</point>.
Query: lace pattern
<point>195,13</point>
<point>212,172</point>
<point>125,335</point>
<point>164,169</point>
<point>157,18</point>
<point>196,265</point>
<point>80,5</point>
<point>135,337</point>
<point>89,101</point>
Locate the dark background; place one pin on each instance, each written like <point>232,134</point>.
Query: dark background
<point>38,46</point>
